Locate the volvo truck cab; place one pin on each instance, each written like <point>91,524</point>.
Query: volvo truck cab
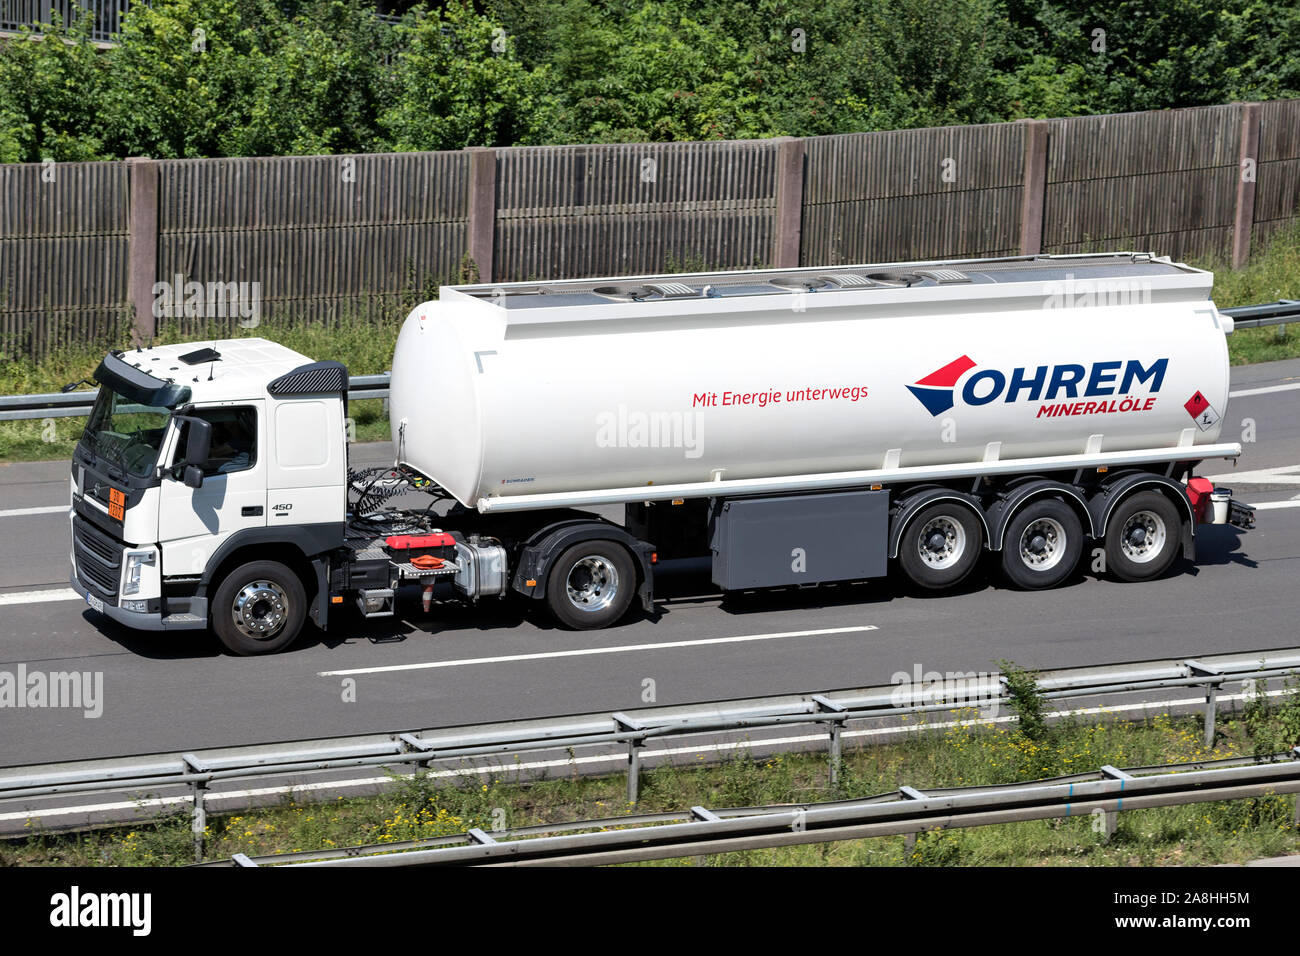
<point>209,473</point>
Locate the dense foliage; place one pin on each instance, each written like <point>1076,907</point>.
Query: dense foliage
<point>267,77</point>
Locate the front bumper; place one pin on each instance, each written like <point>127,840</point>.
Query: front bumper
<point>194,619</point>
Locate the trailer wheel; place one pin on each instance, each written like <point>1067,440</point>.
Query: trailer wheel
<point>1042,545</point>
<point>940,545</point>
<point>1142,537</point>
<point>259,608</point>
<point>591,585</point>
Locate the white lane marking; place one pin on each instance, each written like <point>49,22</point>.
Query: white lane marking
<point>1281,475</point>
<point>1271,505</point>
<point>20,512</point>
<point>622,649</point>
<point>1266,390</point>
<point>617,759</point>
<point>40,597</point>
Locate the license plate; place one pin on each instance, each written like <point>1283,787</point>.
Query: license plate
<point>95,603</point>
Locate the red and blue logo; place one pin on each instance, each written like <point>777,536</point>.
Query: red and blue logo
<point>936,389</point>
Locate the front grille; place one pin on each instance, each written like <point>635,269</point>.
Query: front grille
<point>99,559</point>
<point>103,546</point>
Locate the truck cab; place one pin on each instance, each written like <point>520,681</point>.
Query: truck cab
<point>198,461</point>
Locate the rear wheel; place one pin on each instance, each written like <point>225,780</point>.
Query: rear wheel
<point>1042,545</point>
<point>1142,537</point>
<point>591,585</point>
<point>259,608</point>
<point>940,545</point>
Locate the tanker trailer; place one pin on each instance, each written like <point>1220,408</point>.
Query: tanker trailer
<point>793,427</point>
<point>813,425</point>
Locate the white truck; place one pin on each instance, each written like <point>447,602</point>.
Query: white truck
<point>798,426</point>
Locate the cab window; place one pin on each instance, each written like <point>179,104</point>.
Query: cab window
<point>234,439</point>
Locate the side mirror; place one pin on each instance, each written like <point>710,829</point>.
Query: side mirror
<point>198,444</point>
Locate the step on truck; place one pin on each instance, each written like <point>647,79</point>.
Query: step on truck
<point>797,426</point>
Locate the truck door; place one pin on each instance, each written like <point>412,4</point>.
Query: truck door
<point>193,522</point>
<point>307,468</point>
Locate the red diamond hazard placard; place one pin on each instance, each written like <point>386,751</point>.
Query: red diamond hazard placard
<point>1202,411</point>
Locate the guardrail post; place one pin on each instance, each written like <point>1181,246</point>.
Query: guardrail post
<point>199,824</point>
<point>1211,695</point>
<point>1211,705</point>
<point>909,842</point>
<point>1110,818</point>
<point>1110,823</point>
<point>1295,813</point>
<point>836,728</point>
<point>413,744</point>
<point>634,744</point>
<point>633,769</point>
<point>836,754</point>
<point>198,792</point>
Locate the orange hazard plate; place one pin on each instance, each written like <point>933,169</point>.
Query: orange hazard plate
<point>116,504</point>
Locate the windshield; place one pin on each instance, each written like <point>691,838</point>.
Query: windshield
<point>126,435</point>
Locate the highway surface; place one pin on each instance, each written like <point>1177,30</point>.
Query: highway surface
<point>460,665</point>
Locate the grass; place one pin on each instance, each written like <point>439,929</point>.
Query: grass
<point>1272,273</point>
<point>365,345</point>
<point>416,808</point>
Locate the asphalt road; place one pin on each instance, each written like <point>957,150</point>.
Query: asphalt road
<point>464,665</point>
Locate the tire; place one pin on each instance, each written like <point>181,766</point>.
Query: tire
<point>940,545</point>
<point>259,608</point>
<point>1143,537</point>
<point>1042,545</point>
<point>591,585</point>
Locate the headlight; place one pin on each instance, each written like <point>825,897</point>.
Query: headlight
<point>135,560</point>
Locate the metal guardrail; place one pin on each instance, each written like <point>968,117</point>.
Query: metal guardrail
<point>1281,312</point>
<point>78,404</point>
<point>1107,792</point>
<point>197,771</point>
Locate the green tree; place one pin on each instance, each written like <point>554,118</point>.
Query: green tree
<point>183,76</point>
<point>322,80</point>
<point>459,83</point>
<point>52,85</point>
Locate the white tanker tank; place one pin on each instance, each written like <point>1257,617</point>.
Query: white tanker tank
<point>583,391</point>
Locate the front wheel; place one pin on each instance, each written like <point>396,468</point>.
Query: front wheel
<point>1042,545</point>
<point>259,608</point>
<point>591,585</point>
